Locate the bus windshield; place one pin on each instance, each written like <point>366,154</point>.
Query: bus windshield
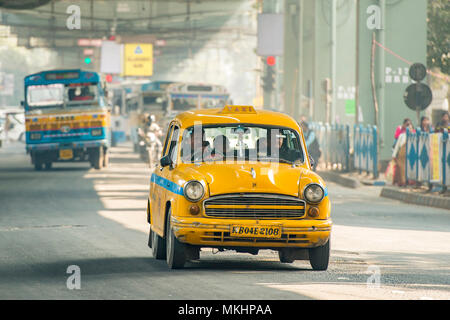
<point>81,94</point>
<point>45,95</point>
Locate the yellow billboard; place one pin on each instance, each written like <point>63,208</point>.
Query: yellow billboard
<point>138,59</point>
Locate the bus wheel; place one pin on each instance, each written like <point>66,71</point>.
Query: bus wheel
<point>96,158</point>
<point>36,159</point>
<point>106,158</point>
<point>175,250</point>
<point>37,165</point>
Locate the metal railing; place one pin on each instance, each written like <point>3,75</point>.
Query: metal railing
<point>428,157</point>
<point>334,141</point>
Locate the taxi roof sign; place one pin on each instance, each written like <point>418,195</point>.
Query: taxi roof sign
<point>239,109</point>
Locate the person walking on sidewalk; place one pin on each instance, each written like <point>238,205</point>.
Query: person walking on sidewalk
<point>399,156</point>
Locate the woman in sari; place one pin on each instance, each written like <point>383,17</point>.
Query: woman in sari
<point>399,156</point>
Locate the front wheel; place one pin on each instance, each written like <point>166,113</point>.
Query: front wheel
<point>319,257</point>
<point>175,250</point>
<point>96,158</point>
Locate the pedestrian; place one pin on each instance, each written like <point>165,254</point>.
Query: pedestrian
<point>444,123</point>
<point>399,157</point>
<point>401,129</point>
<point>312,144</point>
<point>425,125</point>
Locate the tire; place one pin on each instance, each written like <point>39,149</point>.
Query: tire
<point>285,257</point>
<point>96,158</point>
<point>38,164</point>
<point>158,245</point>
<point>319,257</point>
<point>106,158</point>
<point>175,250</point>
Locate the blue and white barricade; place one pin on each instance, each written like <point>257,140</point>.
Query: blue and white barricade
<point>365,143</point>
<point>428,158</point>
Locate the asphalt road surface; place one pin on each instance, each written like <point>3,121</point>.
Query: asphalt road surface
<point>94,220</point>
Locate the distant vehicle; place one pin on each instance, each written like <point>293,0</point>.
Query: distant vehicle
<point>67,118</point>
<point>191,96</point>
<point>237,179</point>
<point>12,124</point>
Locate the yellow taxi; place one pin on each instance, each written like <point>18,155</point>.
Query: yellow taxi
<point>237,179</point>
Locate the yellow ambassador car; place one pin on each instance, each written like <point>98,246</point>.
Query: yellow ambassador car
<point>237,179</point>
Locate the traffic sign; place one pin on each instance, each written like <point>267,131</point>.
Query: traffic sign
<point>138,59</point>
<point>418,96</point>
<point>418,72</point>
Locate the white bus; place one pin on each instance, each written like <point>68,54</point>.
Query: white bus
<point>187,96</point>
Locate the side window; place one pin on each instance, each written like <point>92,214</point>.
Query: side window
<point>169,134</point>
<point>173,145</point>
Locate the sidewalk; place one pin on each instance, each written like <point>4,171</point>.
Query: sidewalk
<point>413,195</point>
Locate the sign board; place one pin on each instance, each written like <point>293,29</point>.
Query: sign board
<point>138,59</point>
<point>418,72</point>
<point>111,57</point>
<point>418,96</point>
<point>270,34</point>
<point>89,42</point>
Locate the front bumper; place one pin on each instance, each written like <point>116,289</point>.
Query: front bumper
<point>66,145</point>
<point>215,233</point>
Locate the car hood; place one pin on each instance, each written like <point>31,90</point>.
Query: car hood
<point>248,178</point>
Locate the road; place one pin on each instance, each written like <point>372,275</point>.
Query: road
<point>76,216</point>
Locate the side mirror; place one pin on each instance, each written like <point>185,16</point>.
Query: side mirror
<point>312,161</point>
<point>165,161</point>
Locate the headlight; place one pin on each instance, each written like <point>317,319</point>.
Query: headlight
<point>313,193</point>
<point>194,191</point>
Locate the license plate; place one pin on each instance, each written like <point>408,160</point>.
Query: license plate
<point>66,154</point>
<point>256,231</point>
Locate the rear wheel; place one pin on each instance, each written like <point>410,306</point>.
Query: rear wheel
<point>319,257</point>
<point>37,165</point>
<point>175,250</point>
<point>157,244</point>
<point>106,158</point>
<point>285,257</point>
<point>96,158</point>
<point>37,161</point>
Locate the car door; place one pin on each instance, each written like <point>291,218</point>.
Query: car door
<point>171,188</point>
<point>157,189</point>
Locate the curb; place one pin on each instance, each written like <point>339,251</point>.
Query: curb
<point>339,179</point>
<point>414,198</point>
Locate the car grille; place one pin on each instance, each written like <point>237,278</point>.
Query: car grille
<point>254,206</point>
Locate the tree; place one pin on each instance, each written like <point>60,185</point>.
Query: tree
<point>439,35</point>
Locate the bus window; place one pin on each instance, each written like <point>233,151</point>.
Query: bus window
<point>81,94</point>
<point>45,95</point>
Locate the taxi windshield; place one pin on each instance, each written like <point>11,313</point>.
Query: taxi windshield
<point>241,143</point>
